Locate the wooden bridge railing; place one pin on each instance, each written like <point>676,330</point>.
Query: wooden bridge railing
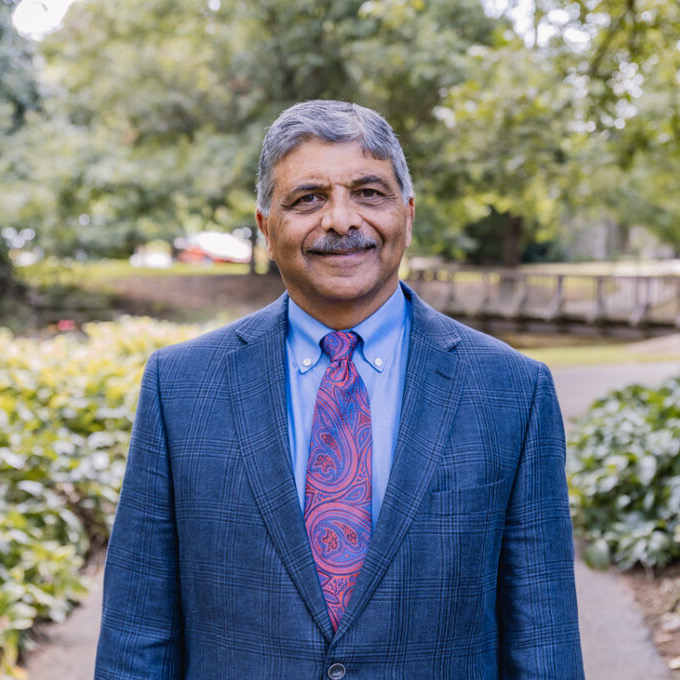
<point>636,301</point>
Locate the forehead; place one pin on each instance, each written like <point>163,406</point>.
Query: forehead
<point>329,162</point>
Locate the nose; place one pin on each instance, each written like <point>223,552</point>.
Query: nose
<point>340,215</point>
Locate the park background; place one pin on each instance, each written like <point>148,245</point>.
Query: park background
<point>542,135</point>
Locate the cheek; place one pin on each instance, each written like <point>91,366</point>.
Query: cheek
<point>290,240</point>
<point>284,244</point>
<point>268,242</point>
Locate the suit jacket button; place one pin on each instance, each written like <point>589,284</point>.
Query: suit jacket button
<point>336,671</point>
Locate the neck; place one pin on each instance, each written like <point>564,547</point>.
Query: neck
<point>342,314</point>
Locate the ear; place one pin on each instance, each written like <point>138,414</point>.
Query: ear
<point>263,224</point>
<point>410,216</point>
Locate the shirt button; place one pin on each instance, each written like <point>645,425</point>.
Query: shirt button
<point>336,671</point>
<point>378,362</point>
<point>307,362</point>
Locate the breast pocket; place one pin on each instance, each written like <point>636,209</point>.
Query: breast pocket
<point>486,498</point>
<point>457,541</point>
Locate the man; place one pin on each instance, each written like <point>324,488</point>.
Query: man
<point>346,484</point>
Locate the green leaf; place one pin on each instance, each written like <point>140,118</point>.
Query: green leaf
<point>597,555</point>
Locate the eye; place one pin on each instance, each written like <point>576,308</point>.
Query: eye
<point>305,202</point>
<point>307,199</point>
<point>369,193</point>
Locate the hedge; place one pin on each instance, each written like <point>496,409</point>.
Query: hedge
<point>624,475</point>
<point>66,410</point>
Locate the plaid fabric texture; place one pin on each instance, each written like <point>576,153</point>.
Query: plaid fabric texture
<point>469,574</point>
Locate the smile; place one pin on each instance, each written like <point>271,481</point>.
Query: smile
<point>335,252</point>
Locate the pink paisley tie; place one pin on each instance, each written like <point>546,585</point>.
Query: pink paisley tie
<point>338,491</point>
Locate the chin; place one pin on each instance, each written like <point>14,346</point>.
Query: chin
<point>345,287</point>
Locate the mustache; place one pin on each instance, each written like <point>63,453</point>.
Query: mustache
<point>333,243</point>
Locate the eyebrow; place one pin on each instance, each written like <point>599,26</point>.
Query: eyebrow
<point>316,186</point>
<point>304,188</point>
<point>371,179</point>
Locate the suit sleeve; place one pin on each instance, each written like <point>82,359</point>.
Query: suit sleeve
<point>140,635</point>
<point>537,614</point>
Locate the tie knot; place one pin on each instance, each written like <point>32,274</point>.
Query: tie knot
<point>339,345</point>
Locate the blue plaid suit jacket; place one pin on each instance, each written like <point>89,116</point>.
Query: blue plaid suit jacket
<point>469,575</point>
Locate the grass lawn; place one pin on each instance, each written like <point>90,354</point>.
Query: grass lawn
<point>622,268</point>
<point>97,274</point>
<point>90,291</point>
<point>600,354</point>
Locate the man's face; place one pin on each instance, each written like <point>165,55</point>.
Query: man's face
<point>337,229</point>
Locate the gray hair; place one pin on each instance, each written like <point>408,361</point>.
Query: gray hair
<point>330,121</point>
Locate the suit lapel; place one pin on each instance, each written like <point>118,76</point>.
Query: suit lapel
<point>260,403</point>
<point>435,377</point>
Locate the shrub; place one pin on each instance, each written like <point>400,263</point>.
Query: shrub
<point>624,475</point>
<point>66,410</point>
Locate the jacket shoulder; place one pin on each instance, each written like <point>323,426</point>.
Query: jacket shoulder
<point>260,324</point>
<point>482,346</point>
<point>202,358</point>
<point>473,346</point>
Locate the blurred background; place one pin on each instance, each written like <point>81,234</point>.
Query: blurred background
<point>544,141</point>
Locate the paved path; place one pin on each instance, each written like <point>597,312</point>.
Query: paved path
<point>70,652</point>
<point>616,644</point>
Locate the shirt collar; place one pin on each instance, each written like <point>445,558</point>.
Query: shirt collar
<point>380,332</point>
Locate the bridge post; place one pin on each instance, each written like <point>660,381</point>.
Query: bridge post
<point>556,305</point>
<point>643,301</point>
<point>600,302</point>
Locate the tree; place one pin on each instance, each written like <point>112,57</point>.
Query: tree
<point>154,114</point>
<point>18,96</point>
<point>162,106</point>
<point>630,82</point>
<point>581,114</point>
<point>18,86</point>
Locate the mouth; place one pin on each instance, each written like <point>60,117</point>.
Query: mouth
<point>340,252</point>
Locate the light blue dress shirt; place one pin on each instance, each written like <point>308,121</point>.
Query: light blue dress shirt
<point>381,362</point>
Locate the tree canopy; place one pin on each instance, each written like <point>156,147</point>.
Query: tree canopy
<point>19,96</point>
<point>153,114</point>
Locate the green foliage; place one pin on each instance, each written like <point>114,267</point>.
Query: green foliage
<point>66,410</point>
<point>624,473</point>
<point>511,147</point>
<point>624,70</point>
<point>18,84</point>
<point>18,96</point>
<point>153,114</point>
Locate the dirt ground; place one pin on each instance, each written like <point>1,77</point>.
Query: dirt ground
<point>658,596</point>
<point>196,297</point>
<point>666,344</point>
